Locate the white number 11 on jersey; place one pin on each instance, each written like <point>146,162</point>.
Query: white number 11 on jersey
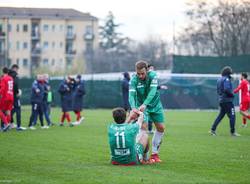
<point>118,135</point>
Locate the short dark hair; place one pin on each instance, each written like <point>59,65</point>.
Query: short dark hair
<point>150,64</point>
<point>141,64</point>
<point>5,70</point>
<point>226,71</point>
<point>119,115</point>
<point>244,75</point>
<point>14,66</point>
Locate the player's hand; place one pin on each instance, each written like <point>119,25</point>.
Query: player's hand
<point>142,108</point>
<point>141,117</point>
<point>37,90</point>
<point>163,87</point>
<point>133,115</point>
<point>19,93</point>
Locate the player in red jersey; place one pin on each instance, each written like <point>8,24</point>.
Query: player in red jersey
<point>6,98</point>
<point>245,98</point>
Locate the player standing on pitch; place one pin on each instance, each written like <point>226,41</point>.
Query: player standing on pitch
<point>6,98</point>
<point>144,96</point>
<point>225,97</point>
<point>244,87</point>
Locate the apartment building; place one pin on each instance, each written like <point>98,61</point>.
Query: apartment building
<point>42,37</point>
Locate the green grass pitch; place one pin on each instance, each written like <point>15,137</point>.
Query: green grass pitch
<point>81,154</point>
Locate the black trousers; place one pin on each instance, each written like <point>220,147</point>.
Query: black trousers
<point>225,108</point>
<point>16,109</point>
<point>37,110</point>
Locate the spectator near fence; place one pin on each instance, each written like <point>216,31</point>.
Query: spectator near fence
<point>17,103</point>
<point>78,93</point>
<point>125,89</point>
<point>66,91</point>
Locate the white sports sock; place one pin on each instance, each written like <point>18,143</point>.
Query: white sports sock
<point>156,141</point>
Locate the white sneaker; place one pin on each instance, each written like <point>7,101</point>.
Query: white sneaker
<point>81,120</point>
<point>44,127</point>
<point>76,123</point>
<point>235,134</point>
<point>21,128</point>
<point>32,128</point>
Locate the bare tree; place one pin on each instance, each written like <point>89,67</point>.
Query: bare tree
<point>222,27</point>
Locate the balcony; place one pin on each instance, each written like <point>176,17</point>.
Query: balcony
<point>70,53</point>
<point>35,36</point>
<point>88,36</point>
<point>70,36</point>
<point>36,52</point>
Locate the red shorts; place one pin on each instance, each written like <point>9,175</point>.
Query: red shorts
<point>6,105</point>
<point>244,106</point>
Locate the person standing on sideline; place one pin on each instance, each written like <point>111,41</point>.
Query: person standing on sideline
<point>17,104</point>
<point>46,86</point>
<point>125,89</point>
<point>225,97</point>
<point>244,87</point>
<point>144,96</point>
<point>6,98</point>
<point>37,95</point>
<point>65,90</point>
<point>78,93</point>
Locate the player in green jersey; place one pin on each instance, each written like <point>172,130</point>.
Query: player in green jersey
<point>144,96</point>
<point>128,143</point>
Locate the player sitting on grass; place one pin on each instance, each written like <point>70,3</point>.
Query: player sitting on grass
<point>128,142</point>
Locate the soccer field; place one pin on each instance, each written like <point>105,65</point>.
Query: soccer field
<point>81,154</point>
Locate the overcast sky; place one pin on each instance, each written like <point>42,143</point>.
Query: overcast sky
<point>139,18</point>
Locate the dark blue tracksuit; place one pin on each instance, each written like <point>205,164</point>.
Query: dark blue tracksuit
<point>225,95</point>
<point>125,88</point>
<point>37,95</point>
<point>78,93</point>
<point>65,91</point>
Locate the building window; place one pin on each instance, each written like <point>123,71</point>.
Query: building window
<point>45,62</point>
<point>53,45</point>
<point>69,30</point>
<point>9,27</point>
<point>9,62</point>
<point>25,62</point>
<point>61,61</point>
<point>17,45</point>
<point>88,30</point>
<point>45,45</point>
<point>25,45</point>
<point>17,28</point>
<point>53,28</point>
<point>61,28</point>
<point>45,27</point>
<point>61,44</point>
<point>17,61</point>
<point>53,62</point>
<point>25,28</point>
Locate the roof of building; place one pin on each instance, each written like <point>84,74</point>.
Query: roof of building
<point>44,13</point>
